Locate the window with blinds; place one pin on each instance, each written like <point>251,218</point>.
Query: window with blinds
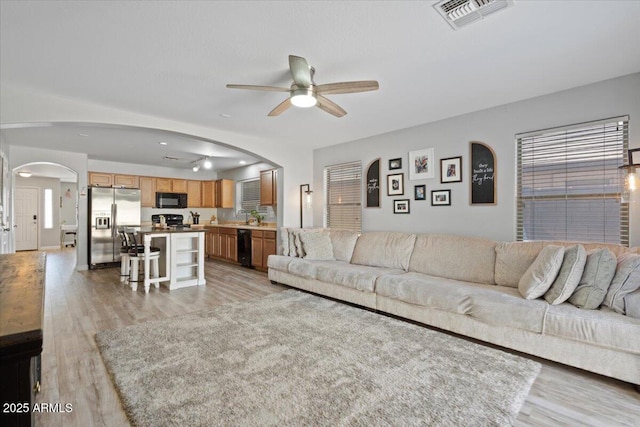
<point>343,192</point>
<point>250,196</point>
<point>569,184</point>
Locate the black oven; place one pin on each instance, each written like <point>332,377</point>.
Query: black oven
<point>171,200</point>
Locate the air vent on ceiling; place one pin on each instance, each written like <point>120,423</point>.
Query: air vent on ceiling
<point>459,13</point>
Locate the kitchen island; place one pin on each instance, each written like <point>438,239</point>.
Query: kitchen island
<point>181,256</point>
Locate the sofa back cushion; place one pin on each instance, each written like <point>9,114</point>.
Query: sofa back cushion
<point>469,259</point>
<point>596,279</point>
<point>344,242</point>
<point>625,281</point>
<point>384,249</point>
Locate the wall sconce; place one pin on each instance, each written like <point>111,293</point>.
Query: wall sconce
<point>305,199</point>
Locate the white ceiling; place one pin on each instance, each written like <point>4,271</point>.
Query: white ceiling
<point>172,59</point>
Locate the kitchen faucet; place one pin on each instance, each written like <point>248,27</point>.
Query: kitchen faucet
<point>246,215</point>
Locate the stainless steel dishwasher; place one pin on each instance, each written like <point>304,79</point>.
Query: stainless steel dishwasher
<point>244,247</point>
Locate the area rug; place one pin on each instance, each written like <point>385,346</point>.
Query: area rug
<point>295,359</point>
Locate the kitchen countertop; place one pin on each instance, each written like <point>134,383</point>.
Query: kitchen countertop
<point>243,227</point>
<point>152,230</point>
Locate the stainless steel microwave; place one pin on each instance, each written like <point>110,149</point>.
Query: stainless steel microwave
<point>171,200</point>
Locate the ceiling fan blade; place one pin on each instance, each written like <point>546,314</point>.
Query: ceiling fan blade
<point>347,87</point>
<point>256,87</point>
<point>280,108</point>
<point>300,71</point>
<point>330,106</point>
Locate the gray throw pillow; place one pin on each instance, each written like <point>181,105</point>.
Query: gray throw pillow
<point>317,246</point>
<point>569,276</point>
<point>626,280</point>
<point>596,279</point>
<point>541,274</point>
<point>632,304</point>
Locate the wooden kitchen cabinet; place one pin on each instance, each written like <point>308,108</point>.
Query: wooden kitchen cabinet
<point>268,187</point>
<point>163,185</point>
<point>179,186</point>
<point>147,191</point>
<point>229,244</point>
<point>208,194</point>
<point>194,194</point>
<point>263,244</point>
<point>269,246</point>
<point>99,179</point>
<point>224,193</point>
<point>127,181</point>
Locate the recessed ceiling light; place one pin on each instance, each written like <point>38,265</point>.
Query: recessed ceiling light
<point>83,134</point>
<point>24,174</point>
<point>162,143</point>
<point>242,162</point>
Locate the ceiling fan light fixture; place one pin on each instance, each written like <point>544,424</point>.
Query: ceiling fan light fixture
<point>303,98</point>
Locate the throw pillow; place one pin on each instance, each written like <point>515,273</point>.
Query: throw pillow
<point>569,276</point>
<point>541,274</point>
<point>596,278</point>
<point>317,246</point>
<point>343,242</point>
<point>284,235</point>
<point>625,281</point>
<point>632,304</point>
<point>298,249</point>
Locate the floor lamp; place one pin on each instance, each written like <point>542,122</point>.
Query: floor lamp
<point>305,200</point>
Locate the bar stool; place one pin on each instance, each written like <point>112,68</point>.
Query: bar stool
<point>136,256</point>
<point>124,257</point>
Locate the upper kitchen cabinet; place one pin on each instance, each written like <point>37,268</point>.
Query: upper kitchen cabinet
<point>128,181</point>
<point>268,187</point>
<point>169,185</point>
<point>194,194</point>
<point>99,179</point>
<point>224,193</point>
<point>208,194</point>
<point>147,191</point>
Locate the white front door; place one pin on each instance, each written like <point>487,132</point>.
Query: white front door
<point>26,212</point>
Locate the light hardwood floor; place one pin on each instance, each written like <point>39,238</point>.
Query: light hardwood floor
<point>79,304</point>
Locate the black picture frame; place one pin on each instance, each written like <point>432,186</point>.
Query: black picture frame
<point>401,206</point>
<point>395,164</point>
<point>420,192</point>
<point>451,170</point>
<point>395,184</point>
<point>634,156</point>
<point>441,198</point>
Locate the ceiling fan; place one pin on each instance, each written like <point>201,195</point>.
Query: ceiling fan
<point>305,93</point>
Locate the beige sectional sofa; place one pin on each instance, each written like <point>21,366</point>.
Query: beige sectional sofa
<point>468,286</point>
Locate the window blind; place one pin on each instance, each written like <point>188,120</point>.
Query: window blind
<point>250,196</point>
<point>343,196</point>
<point>569,184</point>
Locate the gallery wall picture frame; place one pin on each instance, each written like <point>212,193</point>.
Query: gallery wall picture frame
<point>395,184</point>
<point>401,206</point>
<point>483,177</point>
<point>373,184</point>
<point>420,192</point>
<point>441,198</point>
<point>451,169</point>
<point>395,164</point>
<point>421,164</point>
<point>634,156</point>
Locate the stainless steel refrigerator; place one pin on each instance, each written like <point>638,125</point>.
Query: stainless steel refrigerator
<point>110,209</point>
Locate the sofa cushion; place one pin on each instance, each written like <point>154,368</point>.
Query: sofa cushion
<point>504,306</point>
<point>317,245</point>
<point>625,281</point>
<point>360,277</point>
<point>470,259</point>
<point>279,262</point>
<point>575,257</point>
<point>295,244</point>
<point>284,241</point>
<point>344,242</point>
<point>308,268</point>
<point>542,272</point>
<point>596,278</point>
<point>513,259</point>
<point>384,249</point>
<point>428,291</point>
<point>601,327</point>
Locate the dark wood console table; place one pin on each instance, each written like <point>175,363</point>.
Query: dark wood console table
<point>22,280</point>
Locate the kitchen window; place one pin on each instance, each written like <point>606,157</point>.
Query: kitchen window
<point>250,196</point>
<point>343,196</point>
<point>569,185</point>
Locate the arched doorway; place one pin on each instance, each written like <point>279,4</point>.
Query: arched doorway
<point>45,206</point>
